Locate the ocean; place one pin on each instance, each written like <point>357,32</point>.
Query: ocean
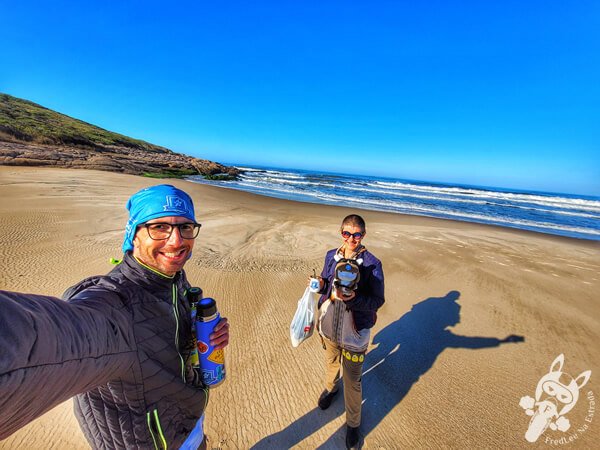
<point>568,215</point>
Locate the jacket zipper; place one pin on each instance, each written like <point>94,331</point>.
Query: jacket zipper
<point>338,321</point>
<point>156,430</point>
<point>176,314</point>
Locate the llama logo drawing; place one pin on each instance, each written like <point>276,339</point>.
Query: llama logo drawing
<point>555,395</point>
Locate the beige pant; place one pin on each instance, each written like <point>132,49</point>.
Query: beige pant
<point>351,376</point>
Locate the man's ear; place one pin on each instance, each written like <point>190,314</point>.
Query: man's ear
<point>136,242</point>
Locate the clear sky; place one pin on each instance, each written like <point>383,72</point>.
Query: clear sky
<point>500,94</point>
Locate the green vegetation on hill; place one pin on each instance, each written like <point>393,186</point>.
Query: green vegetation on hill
<point>31,135</point>
<point>25,121</point>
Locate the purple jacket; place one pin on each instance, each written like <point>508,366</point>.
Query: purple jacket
<point>369,294</point>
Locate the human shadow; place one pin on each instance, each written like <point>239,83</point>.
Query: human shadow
<point>406,349</point>
<point>301,428</point>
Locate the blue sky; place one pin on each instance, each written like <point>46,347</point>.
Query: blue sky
<point>500,94</point>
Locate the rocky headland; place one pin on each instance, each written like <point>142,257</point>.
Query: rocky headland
<point>31,135</point>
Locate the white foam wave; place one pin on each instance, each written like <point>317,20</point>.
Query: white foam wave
<point>453,194</point>
<point>284,175</point>
<point>274,181</point>
<point>249,169</point>
<point>423,196</point>
<point>557,202</point>
<point>413,209</point>
<point>396,197</point>
<point>413,195</point>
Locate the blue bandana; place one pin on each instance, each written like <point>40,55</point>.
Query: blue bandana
<point>154,202</point>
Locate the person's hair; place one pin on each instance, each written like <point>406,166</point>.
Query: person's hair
<point>354,220</point>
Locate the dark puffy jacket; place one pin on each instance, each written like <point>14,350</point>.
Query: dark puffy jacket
<point>119,345</point>
<point>370,291</point>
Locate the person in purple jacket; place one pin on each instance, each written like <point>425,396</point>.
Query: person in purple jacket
<point>348,310</point>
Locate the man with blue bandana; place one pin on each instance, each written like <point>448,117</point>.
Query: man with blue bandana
<point>120,345</point>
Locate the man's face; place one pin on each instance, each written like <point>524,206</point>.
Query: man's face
<point>168,256</point>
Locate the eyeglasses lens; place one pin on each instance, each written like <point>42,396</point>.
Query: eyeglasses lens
<point>161,231</point>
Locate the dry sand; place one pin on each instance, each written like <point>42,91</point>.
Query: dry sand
<point>429,381</point>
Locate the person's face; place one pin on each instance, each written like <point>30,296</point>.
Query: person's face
<point>351,242</point>
<point>168,256</point>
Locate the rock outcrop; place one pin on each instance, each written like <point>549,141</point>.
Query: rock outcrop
<point>31,135</point>
<point>112,159</point>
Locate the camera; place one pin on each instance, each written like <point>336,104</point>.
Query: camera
<point>347,276</point>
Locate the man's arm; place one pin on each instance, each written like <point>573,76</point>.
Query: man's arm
<point>51,350</point>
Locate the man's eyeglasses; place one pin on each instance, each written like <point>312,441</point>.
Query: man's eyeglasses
<point>357,235</point>
<point>163,231</point>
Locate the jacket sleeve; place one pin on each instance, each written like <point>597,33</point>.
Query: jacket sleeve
<point>370,296</point>
<point>325,275</point>
<point>327,272</point>
<point>51,350</point>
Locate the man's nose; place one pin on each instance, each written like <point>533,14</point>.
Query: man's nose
<point>175,237</point>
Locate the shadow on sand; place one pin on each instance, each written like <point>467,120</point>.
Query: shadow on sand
<point>406,349</point>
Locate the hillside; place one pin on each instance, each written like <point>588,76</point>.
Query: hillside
<point>31,135</point>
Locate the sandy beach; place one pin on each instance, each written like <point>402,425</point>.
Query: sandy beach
<point>436,375</point>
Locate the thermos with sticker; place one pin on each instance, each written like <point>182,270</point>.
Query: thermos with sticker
<point>194,294</point>
<point>212,362</point>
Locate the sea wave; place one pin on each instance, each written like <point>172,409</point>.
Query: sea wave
<point>481,200</point>
<point>548,213</point>
<point>590,205</point>
<point>420,210</point>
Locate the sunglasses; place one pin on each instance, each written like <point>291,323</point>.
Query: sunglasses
<point>357,235</point>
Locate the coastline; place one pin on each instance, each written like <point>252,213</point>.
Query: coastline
<point>254,253</point>
<point>567,215</point>
<point>417,219</point>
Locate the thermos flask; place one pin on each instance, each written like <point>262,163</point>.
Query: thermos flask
<point>194,294</point>
<point>212,362</point>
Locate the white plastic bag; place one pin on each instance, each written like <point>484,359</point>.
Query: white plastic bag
<point>303,323</point>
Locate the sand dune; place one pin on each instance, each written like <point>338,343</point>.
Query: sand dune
<point>435,376</point>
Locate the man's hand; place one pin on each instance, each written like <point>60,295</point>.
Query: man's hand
<point>219,338</point>
<point>338,295</point>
